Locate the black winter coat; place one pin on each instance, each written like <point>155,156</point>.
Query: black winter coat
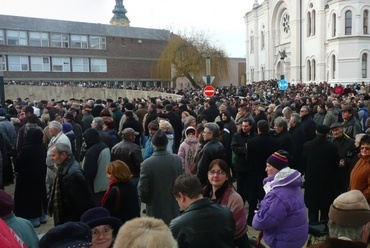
<point>30,166</point>
<point>238,147</point>
<point>204,224</point>
<point>320,162</point>
<point>212,150</point>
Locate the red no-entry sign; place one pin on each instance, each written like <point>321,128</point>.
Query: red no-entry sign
<point>209,91</point>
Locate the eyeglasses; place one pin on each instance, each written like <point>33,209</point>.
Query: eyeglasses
<point>219,172</point>
<point>365,148</point>
<point>105,232</point>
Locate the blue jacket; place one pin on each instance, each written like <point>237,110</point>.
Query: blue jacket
<point>282,214</point>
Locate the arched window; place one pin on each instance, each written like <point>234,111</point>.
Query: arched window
<point>262,40</point>
<point>313,70</point>
<point>366,22</point>
<point>308,70</point>
<point>308,24</point>
<point>333,66</point>
<point>263,73</point>
<point>252,75</point>
<point>252,44</point>
<point>334,25</point>
<point>364,65</point>
<point>348,22</point>
<point>313,31</point>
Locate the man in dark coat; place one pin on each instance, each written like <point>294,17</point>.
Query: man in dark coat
<point>351,125</point>
<point>320,162</point>
<point>346,150</point>
<point>71,194</point>
<point>238,146</point>
<point>77,130</point>
<point>259,149</point>
<point>157,176</point>
<point>212,150</point>
<point>134,124</point>
<point>212,111</point>
<point>104,136</point>
<point>308,124</point>
<point>202,218</point>
<point>175,121</point>
<point>298,139</point>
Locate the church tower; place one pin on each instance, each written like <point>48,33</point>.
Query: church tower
<point>120,17</point>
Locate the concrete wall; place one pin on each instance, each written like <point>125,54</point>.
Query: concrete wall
<point>65,93</point>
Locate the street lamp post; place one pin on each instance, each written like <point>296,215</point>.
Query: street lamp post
<point>208,70</point>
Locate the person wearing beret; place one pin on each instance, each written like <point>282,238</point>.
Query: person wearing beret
<point>282,214</point>
<point>69,234</point>
<point>103,226</point>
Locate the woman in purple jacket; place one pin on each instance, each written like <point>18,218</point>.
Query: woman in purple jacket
<point>282,214</point>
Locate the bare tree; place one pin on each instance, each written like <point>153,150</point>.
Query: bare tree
<point>185,56</point>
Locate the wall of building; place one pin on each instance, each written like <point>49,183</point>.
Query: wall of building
<point>65,93</point>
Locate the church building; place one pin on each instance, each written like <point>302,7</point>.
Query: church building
<point>308,41</point>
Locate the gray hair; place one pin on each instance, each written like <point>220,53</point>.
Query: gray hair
<point>353,233</point>
<point>56,125</point>
<point>280,121</point>
<point>62,147</point>
<point>213,127</point>
<point>296,118</point>
<point>188,120</point>
<point>287,110</point>
<point>99,122</point>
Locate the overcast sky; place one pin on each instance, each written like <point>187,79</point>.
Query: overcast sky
<point>220,18</point>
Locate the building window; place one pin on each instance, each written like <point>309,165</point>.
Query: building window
<point>2,38</point>
<point>313,70</point>
<point>308,24</point>
<point>364,65</point>
<point>252,44</point>
<point>313,23</point>
<point>38,39</point>
<point>98,65</point>
<point>97,42</point>
<point>80,65</point>
<point>18,63</point>
<point>40,64</point>
<point>18,38</point>
<point>308,70</point>
<point>262,40</point>
<point>263,73</point>
<point>61,64</point>
<point>252,75</point>
<point>333,66</point>
<point>79,41</point>
<point>59,40</point>
<point>334,25</point>
<point>348,22</point>
<point>365,24</point>
<point>2,63</point>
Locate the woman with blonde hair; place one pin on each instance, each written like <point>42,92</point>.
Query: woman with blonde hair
<point>121,198</point>
<point>167,128</point>
<point>145,232</point>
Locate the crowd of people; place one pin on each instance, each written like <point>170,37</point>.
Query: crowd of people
<point>205,168</point>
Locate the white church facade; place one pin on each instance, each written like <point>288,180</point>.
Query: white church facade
<point>308,41</point>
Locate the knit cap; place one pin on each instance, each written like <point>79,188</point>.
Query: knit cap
<point>350,209</point>
<point>279,159</point>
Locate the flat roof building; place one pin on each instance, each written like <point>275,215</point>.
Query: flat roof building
<point>34,50</point>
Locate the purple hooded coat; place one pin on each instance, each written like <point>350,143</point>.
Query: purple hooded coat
<point>282,214</point>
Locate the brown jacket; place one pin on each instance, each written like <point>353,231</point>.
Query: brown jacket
<point>360,177</point>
